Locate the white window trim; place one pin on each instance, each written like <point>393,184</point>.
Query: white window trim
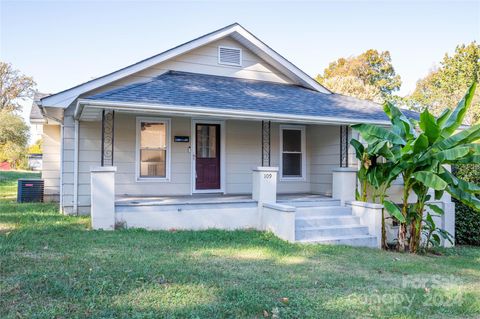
<point>300,128</point>
<point>165,121</point>
<point>227,63</point>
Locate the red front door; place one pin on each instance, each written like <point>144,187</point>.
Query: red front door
<point>207,151</point>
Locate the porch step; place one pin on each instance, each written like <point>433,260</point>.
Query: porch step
<point>311,203</point>
<point>329,220</point>
<point>333,225</point>
<point>357,241</point>
<point>317,211</point>
<point>330,231</point>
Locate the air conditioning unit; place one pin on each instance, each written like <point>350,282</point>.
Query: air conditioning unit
<point>30,190</point>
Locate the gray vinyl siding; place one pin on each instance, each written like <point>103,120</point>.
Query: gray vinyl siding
<point>51,161</point>
<point>324,145</point>
<point>243,153</point>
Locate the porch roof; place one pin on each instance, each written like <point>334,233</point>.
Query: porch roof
<point>197,91</point>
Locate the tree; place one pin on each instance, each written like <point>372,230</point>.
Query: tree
<point>14,87</point>
<point>418,152</point>
<point>353,86</point>
<point>445,84</point>
<point>371,68</point>
<point>36,148</point>
<point>14,135</point>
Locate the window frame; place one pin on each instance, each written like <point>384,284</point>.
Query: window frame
<point>166,122</point>
<point>300,128</point>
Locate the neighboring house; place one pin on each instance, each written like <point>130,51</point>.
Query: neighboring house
<point>35,162</point>
<point>220,114</point>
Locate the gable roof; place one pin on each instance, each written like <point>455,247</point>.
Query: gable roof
<point>197,91</point>
<point>235,30</point>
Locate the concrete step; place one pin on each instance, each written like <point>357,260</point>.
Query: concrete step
<point>323,211</point>
<point>330,231</point>
<point>328,220</point>
<point>358,241</point>
<point>310,203</point>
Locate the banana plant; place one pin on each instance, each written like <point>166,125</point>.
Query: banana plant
<point>418,152</point>
<point>374,174</point>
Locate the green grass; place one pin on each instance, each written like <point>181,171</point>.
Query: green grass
<point>8,182</point>
<point>54,266</point>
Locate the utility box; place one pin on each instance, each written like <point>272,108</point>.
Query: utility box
<point>30,190</point>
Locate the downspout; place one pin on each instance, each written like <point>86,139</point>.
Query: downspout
<point>75,169</point>
<point>61,166</point>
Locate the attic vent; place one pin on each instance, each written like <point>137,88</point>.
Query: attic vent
<point>230,56</point>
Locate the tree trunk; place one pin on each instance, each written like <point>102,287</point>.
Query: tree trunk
<point>416,229</point>
<point>402,238</point>
<point>384,232</point>
<point>402,244</point>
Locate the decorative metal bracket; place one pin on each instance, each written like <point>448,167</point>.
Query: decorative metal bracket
<point>266,139</point>
<point>344,142</point>
<point>108,137</point>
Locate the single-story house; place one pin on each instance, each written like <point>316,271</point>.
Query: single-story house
<point>219,132</point>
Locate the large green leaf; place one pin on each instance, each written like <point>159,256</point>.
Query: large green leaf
<point>375,147</point>
<point>359,148</point>
<point>443,117</point>
<point>465,197</point>
<point>402,126</point>
<point>420,144</point>
<point>455,119</point>
<point>436,209</point>
<point>372,133</point>
<point>469,135</point>
<point>465,186</point>
<point>470,159</point>
<point>430,180</point>
<point>453,153</point>
<point>474,147</point>
<point>429,126</point>
<point>394,210</point>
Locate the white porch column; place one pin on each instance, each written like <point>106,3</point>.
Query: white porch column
<point>344,184</point>
<point>264,188</point>
<point>103,197</point>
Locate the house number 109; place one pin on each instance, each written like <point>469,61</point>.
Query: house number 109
<point>267,176</point>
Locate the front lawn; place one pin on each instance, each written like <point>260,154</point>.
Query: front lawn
<point>54,266</point>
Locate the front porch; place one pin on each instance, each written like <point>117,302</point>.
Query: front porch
<point>302,217</point>
<point>197,199</point>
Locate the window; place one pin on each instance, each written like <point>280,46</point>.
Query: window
<point>292,152</point>
<point>206,141</point>
<point>153,157</point>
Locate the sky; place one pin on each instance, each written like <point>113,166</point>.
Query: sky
<point>64,43</point>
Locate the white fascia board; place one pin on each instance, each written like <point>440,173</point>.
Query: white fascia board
<point>65,98</point>
<point>215,112</point>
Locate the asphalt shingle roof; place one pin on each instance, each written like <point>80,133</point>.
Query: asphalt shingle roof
<point>227,93</point>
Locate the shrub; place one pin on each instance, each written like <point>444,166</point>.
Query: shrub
<point>467,220</point>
